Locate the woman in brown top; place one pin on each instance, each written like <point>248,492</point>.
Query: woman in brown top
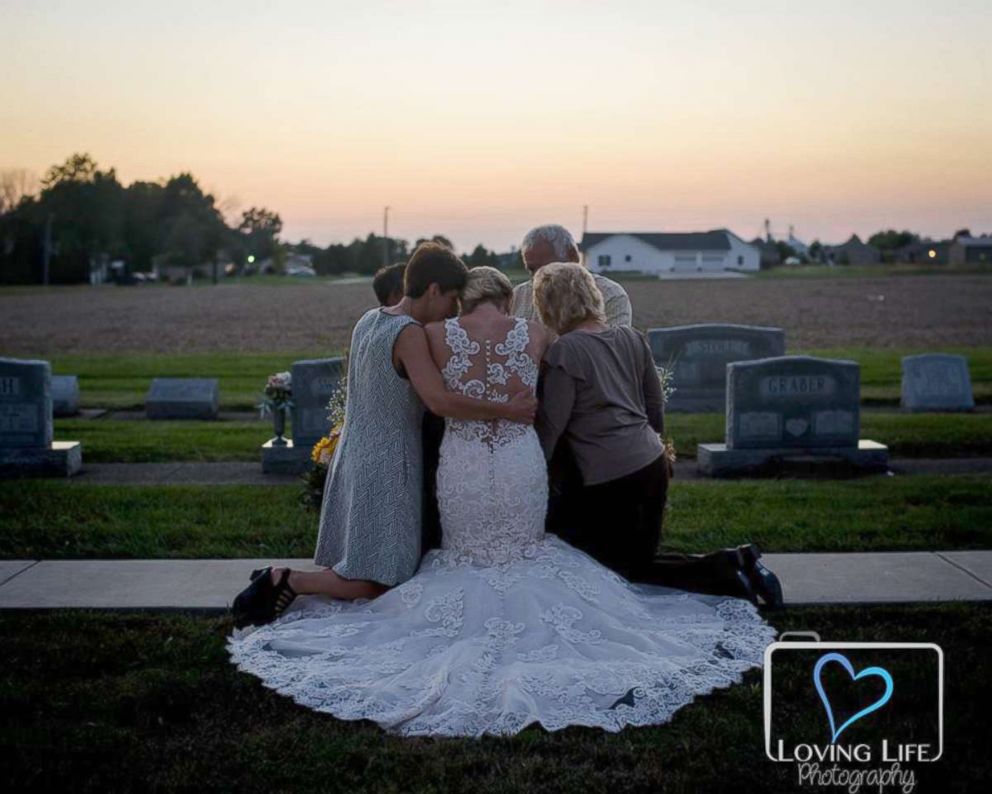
<point>601,395</point>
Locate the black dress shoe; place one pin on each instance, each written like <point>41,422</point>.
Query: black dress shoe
<point>746,587</point>
<point>765,582</point>
<point>732,576</point>
<point>750,553</point>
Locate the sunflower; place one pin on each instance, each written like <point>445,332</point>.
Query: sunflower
<point>323,450</point>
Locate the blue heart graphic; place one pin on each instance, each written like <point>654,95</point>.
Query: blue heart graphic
<point>879,671</point>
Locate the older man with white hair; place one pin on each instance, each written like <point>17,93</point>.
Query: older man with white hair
<point>543,245</point>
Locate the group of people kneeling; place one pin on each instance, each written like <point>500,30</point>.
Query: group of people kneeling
<point>447,339</point>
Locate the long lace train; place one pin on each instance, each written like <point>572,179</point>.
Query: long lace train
<point>504,626</point>
<point>549,637</point>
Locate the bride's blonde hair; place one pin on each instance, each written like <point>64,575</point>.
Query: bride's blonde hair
<point>486,284</point>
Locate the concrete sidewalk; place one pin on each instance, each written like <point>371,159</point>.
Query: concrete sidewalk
<point>244,473</point>
<point>210,585</point>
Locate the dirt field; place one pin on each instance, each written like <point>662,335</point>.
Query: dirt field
<point>912,311</point>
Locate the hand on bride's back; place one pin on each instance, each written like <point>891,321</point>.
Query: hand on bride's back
<point>522,407</point>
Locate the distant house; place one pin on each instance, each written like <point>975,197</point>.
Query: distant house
<point>797,245</point>
<point>853,252</point>
<point>934,252</point>
<point>770,256</point>
<point>970,250</point>
<point>666,252</point>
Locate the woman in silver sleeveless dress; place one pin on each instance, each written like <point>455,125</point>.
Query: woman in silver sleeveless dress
<point>366,527</point>
<point>370,524</point>
<point>504,625</point>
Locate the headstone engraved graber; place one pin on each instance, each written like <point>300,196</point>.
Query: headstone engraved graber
<point>936,382</point>
<point>183,398</point>
<point>796,407</point>
<point>314,381</point>
<point>65,395</point>
<point>26,427</point>
<point>698,356</point>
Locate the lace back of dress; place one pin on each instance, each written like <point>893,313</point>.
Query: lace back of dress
<point>491,371</point>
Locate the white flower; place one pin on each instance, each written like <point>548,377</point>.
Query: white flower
<point>281,380</point>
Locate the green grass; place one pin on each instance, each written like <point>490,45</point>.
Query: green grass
<point>140,441</point>
<point>73,520</point>
<point>95,701</point>
<point>914,513</point>
<point>122,381</point>
<point>69,520</point>
<point>881,369</point>
<point>907,435</point>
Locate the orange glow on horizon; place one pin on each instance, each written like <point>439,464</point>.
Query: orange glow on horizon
<point>479,121</point>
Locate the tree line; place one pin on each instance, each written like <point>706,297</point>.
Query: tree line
<point>367,255</point>
<point>80,216</point>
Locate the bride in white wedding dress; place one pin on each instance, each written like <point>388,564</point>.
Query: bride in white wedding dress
<point>504,626</point>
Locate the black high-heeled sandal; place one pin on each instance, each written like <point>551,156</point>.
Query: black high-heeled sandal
<point>283,594</point>
<point>262,601</point>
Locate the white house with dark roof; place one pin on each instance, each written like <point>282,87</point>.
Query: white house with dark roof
<point>666,252</point>
<point>971,250</point>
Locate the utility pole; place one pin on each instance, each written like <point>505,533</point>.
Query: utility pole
<point>385,237</point>
<point>47,256</point>
<point>585,218</point>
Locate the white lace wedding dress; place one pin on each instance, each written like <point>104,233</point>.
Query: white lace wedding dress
<point>505,625</point>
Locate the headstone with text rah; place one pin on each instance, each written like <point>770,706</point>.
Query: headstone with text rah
<point>936,382</point>
<point>314,381</point>
<point>27,447</point>
<point>698,356</point>
<point>791,407</point>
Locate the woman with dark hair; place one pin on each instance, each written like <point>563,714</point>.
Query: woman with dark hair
<point>387,284</point>
<point>370,518</point>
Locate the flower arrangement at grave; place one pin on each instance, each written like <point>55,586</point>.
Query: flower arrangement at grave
<point>277,399</point>
<point>323,451</point>
<point>667,377</point>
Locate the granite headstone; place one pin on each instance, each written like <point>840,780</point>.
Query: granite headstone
<point>792,407</point>
<point>183,398</point>
<point>65,395</point>
<point>314,381</point>
<point>936,382</point>
<point>698,356</point>
<point>25,403</point>
<point>27,447</point>
<point>793,401</point>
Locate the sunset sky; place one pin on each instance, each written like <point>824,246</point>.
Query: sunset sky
<point>477,120</point>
